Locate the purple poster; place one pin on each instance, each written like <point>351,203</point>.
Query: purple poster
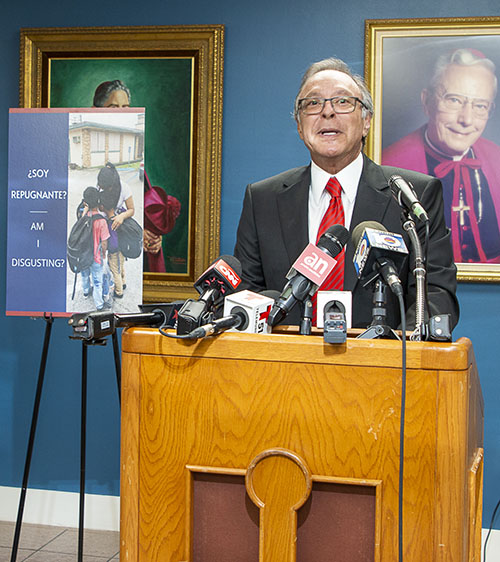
<point>65,164</point>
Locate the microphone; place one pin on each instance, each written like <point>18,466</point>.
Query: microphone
<point>379,253</point>
<point>327,299</point>
<point>309,271</point>
<point>253,307</point>
<point>243,312</point>
<point>221,324</point>
<point>406,197</point>
<point>221,278</point>
<point>334,322</point>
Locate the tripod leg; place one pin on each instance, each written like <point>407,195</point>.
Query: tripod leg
<point>83,436</point>
<point>41,373</point>
<point>118,368</point>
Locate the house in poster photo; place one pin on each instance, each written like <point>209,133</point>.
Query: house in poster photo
<point>93,144</point>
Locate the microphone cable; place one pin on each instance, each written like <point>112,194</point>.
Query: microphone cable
<point>402,425</point>
<point>175,336</point>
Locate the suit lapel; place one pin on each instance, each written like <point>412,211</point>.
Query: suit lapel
<point>372,199</point>
<point>293,203</point>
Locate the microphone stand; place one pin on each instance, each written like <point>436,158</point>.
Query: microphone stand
<point>419,272</point>
<point>306,316</point>
<point>378,327</point>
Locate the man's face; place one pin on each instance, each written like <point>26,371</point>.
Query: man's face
<point>455,132</point>
<point>117,98</point>
<point>334,140</point>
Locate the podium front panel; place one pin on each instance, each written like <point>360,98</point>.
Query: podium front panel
<point>195,414</point>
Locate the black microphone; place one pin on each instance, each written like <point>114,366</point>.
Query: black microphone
<point>309,271</point>
<point>244,312</point>
<point>379,253</point>
<point>221,278</point>
<point>237,319</point>
<point>406,197</point>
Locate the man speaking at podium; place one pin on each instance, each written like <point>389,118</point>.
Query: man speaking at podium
<point>282,214</point>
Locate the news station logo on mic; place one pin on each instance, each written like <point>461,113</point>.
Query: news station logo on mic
<point>254,307</point>
<point>376,240</point>
<point>220,270</point>
<point>314,264</point>
<point>228,273</point>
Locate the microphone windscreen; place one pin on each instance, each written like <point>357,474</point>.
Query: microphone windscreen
<point>334,239</point>
<point>360,228</point>
<point>232,262</point>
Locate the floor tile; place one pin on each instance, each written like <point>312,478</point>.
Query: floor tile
<point>95,543</point>
<point>44,556</point>
<point>6,553</point>
<point>42,543</point>
<point>32,537</point>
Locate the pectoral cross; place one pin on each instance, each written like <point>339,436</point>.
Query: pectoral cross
<point>462,209</point>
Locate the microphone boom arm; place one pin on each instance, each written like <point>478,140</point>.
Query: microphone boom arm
<point>420,279</point>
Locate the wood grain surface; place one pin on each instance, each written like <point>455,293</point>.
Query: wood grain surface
<point>220,402</point>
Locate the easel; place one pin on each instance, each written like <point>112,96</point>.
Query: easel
<point>83,433</point>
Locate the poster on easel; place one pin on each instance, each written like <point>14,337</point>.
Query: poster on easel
<point>75,211</point>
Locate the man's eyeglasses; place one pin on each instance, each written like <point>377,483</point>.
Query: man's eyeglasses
<point>456,102</point>
<point>340,104</point>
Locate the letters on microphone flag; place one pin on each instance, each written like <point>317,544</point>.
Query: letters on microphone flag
<point>314,264</point>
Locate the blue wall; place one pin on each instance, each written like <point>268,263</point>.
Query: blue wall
<point>268,46</point>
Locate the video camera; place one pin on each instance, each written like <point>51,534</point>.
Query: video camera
<point>95,326</point>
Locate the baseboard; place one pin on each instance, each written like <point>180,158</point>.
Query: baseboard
<point>46,507</point>
<point>493,548</point>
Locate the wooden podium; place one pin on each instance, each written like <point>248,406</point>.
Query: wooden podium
<point>275,448</point>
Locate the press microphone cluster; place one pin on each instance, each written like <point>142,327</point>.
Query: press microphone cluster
<point>309,271</point>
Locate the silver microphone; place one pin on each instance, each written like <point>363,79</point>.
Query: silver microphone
<point>406,197</point>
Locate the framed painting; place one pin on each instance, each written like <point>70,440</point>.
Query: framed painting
<point>176,74</point>
<point>434,84</point>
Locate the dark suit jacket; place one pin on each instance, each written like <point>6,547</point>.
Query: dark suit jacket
<point>273,231</point>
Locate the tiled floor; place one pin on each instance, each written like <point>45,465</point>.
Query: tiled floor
<point>39,543</point>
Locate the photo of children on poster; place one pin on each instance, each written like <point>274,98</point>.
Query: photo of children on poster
<point>75,211</point>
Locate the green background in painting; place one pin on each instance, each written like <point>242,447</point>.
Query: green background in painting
<point>164,88</point>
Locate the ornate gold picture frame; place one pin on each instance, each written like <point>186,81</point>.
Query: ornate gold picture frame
<point>400,57</point>
<point>176,73</point>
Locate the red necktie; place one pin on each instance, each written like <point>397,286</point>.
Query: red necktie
<point>333,215</point>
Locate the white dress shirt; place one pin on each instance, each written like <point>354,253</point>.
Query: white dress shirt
<point>319,198</point>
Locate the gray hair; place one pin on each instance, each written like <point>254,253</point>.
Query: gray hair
<point>341,66</point>
<point>461,57</point>
<point>104,90</point>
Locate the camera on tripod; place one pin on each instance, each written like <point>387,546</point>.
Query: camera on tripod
<point>95,326</point>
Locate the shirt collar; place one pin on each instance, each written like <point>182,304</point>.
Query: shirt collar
<point>348,177</point>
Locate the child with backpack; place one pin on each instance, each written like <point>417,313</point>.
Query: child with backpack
<point>98,270</point>
<point>116,259</point>
<point>119,206</point>
<point>126,234</point>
